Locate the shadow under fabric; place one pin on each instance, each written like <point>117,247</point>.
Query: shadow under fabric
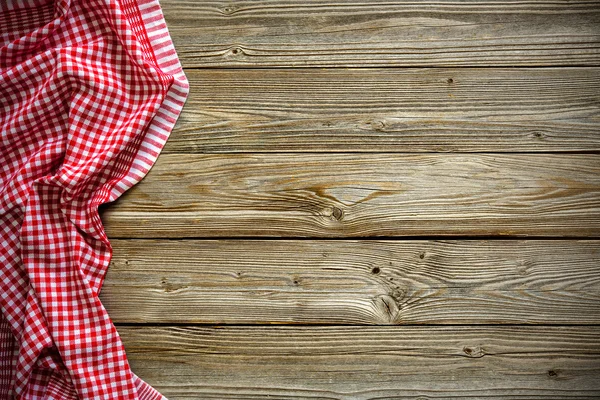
<point>89,91</point>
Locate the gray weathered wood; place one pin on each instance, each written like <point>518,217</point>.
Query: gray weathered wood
<point>350,282</point>
<point>285,33</point>
<point>468,294</point>
<point>341,195</point>
<point>374,110</point>
<point>367,362</point>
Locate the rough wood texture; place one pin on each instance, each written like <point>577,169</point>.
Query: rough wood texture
<point>342,195</point>
<point>350,282</point>
<point>284,33</point>
<point>367,362</point>
<point>414,110</point>
<point>325,153</point>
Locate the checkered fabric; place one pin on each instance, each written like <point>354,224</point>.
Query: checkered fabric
<point>89,92</point>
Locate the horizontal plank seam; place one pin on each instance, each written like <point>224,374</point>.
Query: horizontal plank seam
<point>383,66</point>
<point>460,153</point>
<point>338,152</point>
<point>333,325</point>
<point>365,238</point>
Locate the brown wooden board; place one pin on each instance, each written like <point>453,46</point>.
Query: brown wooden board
<point>343,195</point>
<point>354,282</point>
<point>367,362</point>
<point>319,33</point>
<point>390,110</point>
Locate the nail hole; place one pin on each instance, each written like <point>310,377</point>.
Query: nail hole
<point>450,80</point>
<point>376,270</point>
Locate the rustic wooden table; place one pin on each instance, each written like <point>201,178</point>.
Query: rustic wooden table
<point>370,200</point>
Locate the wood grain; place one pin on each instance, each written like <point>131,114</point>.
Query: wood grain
<point>390,110</point>
<point>343,195</point>
<point>354,282</point>
<point>326,153</point>
<point>292,33</point>
<point>367,362</point>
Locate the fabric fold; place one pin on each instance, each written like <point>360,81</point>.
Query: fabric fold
<point>90,93</point>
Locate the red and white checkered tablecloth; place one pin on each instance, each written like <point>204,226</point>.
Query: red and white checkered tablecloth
<point>89,92</point>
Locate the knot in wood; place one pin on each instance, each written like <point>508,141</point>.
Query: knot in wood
<point>337,213</point>
<point>387,308</point>
<point>474,351</point>
<point>523,267</point>
<point>228,10</point>
<point>378,125</point>
<point>538,134</point>
<point>553,374</point>
<point>334,213</point>
<point>398,293</point>
<point>169,287</point>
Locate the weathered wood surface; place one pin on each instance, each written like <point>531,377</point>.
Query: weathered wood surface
<point>402,110</point>
<point>286,33</point>
<point>354,282</point>
<point>326,154</point>
<point>342,195</point>
<point>367,362</point>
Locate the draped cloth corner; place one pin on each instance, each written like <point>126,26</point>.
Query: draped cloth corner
<point>90,91</point>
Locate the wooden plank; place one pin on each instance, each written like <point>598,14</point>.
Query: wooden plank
<point>343,195</point>
<point>390,110</point>
<point>367,362</point>
<point>291,33</point>
<point>350,282</point>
